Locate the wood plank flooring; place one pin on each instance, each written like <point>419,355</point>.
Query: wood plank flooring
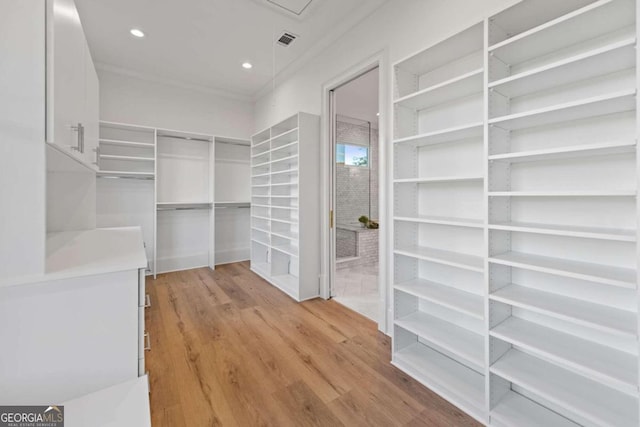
<point>228,349</point>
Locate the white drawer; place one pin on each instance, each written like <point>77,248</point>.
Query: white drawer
<point>141,367</point>
<point>141,333</point>
<point>141,288</point>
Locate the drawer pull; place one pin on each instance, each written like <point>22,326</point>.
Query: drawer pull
<point>147,301</point>
<point>147,341</point>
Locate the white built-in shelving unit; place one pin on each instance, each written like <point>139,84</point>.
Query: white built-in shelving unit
<point>184,193</point>
<point>284,160</point>
<point>516,218</point>
<point>163,181</point>
<point>125,190</point>
<point>232,200</point>
<point>438,222</point>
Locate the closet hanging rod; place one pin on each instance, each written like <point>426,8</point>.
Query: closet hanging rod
<point>190,208</point>
<point>142,178</point>
<point>233,205</point>
<point>185,138</point>
<point>240,143</point>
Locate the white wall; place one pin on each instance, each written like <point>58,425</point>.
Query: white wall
<point>402,26</point>
<point>129,99</point>
<point>22,138</point>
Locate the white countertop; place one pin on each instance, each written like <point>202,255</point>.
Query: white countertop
<point>89,252</point>
<point>123,405</point>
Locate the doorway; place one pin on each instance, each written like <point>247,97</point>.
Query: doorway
<point>354,142</point>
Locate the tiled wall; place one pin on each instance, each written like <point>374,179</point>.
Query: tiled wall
<point>357,187</point>
<point>346,243</point>
<point>367,248</point>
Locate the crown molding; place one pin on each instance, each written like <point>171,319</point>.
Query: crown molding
<point>173,82</point>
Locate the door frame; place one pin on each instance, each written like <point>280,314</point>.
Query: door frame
<point>378,60</point>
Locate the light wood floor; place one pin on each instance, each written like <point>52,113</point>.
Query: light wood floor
<point>229,349</point>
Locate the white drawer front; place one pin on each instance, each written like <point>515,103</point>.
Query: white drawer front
<point>141,333</point>
<point>141,288</point>
<point>141,367</point>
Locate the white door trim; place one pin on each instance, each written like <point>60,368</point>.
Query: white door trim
<point>380,60</point>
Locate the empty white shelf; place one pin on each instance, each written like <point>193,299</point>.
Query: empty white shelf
<point>288,171</point>
<point>259,175</point>
<point>127,158</point>
<point>600,317</point>
<point>259,229</point>
<point>263,153</point>
<point>287,283</point>
<point>291,147</point>
<point>288,132</point>
<point>459,87</point>
<point>262,242</point>
<point>131,144</point>
<point>453,259</point>
<point>515,410</point>
<point>597,62</point>
<point>575,110</point>
<point>439,220</point>
<point>589,22</point>
<point>600,363</point>
<point>454,339</point>
<point>599,273</point>
<point>285,159</point>
<point>446,296</point>
<point>438,179</point>
<point>616,234</point>
<point>458,133</point>
<point>262,268</point>
<point>291,235</point>
<point>605,148</point>
<point>284,221</point>
<point>288,249</point>
<point>590,400</point>
<point>460,385</point>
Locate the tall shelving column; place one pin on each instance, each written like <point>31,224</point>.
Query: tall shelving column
<point>285,206</point>
<point>562,214</point>
<point>260,202</point>
<point>125,189</point>
<point>439,328</point>
<point>185,195</point>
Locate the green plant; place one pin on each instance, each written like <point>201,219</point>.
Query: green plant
<point>368,223</point>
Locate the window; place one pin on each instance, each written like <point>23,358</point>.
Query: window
<point>352,155</point>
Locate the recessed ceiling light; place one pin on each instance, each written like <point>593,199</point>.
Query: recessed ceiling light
<point>247,65</point>
<point>378,114</point>
<point>137,33</point>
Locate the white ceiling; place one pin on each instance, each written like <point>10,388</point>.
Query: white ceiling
<point>204,42</point>
<point>359,98</point>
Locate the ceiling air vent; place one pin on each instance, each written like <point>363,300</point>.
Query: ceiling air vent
<point>286,39</point>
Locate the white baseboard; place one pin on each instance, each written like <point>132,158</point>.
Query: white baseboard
<point>167,265</point>
<point>232,255</point>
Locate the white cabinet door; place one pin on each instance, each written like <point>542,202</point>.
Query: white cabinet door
<point>91,120</point>
<point>68,68</point>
